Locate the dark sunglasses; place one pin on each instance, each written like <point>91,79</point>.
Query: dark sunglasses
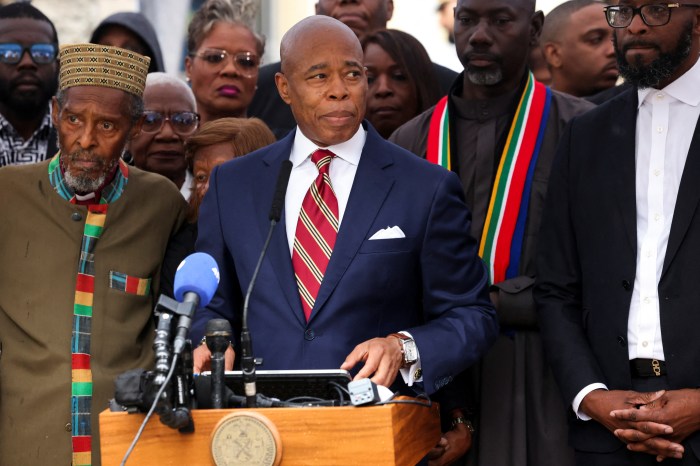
<point>182,123</point>
<point>42,54</point>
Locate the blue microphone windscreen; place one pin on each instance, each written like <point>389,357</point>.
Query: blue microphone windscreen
<point>198,273</point>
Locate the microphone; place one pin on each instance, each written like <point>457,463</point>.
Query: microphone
<point>196,281</point>
<point>280,190</point>
<point>218,332</point>
<point>247,359</point>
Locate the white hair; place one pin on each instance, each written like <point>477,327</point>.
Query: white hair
<point>158,78</point>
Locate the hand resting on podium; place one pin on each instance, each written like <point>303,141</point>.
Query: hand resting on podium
<point>381,357</point>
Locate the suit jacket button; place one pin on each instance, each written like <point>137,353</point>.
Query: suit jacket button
<point>76,217</point>
<point>68,427</point>
<point>622,341</point>
<point>626,285</point>
<point>309,335</point>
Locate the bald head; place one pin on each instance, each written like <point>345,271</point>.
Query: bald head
<point>577,45</point>
<point>558,19</point>
<point>526,5</point>
<point>313,30</point>
<point>323,79</point>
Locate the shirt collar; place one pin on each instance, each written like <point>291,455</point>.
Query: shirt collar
<point>43,126</point>
<point>349,151</point>
<point>683,89</point>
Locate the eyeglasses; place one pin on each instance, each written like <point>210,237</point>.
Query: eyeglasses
<point>42,54</point>
<point>246,63</point>
<point>659,14</point>
<point>182,123</point>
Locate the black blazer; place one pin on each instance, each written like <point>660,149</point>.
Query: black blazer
<point>587,258</point>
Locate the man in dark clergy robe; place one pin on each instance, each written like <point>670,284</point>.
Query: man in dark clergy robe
<point>494,137</point>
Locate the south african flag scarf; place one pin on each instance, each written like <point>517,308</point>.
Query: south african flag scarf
<point>504,228</point>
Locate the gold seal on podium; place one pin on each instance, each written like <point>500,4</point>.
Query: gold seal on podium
<point>246,438</point>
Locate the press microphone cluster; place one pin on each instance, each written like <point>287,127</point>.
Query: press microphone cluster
<point>196,281</point>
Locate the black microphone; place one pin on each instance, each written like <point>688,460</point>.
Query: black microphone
<point>247,359</point>
<point>218,333</point>
<point>280,190</point>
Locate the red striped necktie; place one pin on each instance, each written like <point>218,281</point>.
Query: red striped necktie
<point>316,231</point>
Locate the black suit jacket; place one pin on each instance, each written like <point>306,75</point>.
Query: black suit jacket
<point>587,258</point>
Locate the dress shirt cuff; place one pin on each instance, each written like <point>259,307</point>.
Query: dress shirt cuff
<point>581,395</point>
<point>413,373</point>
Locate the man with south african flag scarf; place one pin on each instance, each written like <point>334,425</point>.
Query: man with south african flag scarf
<point>498,129</point>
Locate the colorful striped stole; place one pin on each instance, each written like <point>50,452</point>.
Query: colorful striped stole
<point>439,150</point>
<point>81,393</point>
<point>81,373</point>
<point>506,218</point>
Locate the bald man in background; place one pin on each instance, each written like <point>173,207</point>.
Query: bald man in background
<point>577,45</point>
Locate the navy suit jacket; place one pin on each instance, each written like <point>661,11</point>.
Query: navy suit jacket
<point>587,264</point>
<point>430,283</point>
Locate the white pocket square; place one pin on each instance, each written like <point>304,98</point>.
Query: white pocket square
<point>389,233</point>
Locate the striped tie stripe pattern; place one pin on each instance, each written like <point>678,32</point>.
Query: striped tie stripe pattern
<point>316,232</point>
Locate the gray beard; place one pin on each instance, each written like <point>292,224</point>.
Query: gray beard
<point>83,184</point>
<point>485,78</point>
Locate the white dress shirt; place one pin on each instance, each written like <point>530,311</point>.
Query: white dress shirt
<point>666,122</point>
<point>342,173</point>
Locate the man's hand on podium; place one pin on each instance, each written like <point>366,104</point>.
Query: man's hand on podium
<point>382,359</point>
<point>202,358</point>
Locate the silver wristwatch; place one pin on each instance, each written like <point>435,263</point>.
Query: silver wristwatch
<point>408,349</point>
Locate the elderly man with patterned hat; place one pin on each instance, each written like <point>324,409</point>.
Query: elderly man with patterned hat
<point>82,239</point>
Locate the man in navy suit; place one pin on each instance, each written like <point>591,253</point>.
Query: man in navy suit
<point>403,259</point>
<point>617,288</point>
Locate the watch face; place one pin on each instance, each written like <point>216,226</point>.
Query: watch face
<point>410,354</point>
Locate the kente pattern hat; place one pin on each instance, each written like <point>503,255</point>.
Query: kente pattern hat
<point>102,65</point>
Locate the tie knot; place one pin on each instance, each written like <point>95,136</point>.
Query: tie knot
<point>322,159</point>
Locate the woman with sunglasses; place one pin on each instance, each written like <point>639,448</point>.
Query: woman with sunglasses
<point>223,58</point>
<point>169,118</point>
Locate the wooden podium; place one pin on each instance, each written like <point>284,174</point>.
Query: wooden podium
<point>398,434</point>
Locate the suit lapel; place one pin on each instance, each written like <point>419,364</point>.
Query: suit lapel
<point>369,191</point>
<point>623,162</point>
<point>278,253</point>
<point>686,202</point>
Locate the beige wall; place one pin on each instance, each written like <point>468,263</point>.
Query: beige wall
<point>76,19</point>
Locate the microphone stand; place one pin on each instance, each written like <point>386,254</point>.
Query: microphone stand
<point>218,336</point>
<point>175,417</point>
<point>247,359</point>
